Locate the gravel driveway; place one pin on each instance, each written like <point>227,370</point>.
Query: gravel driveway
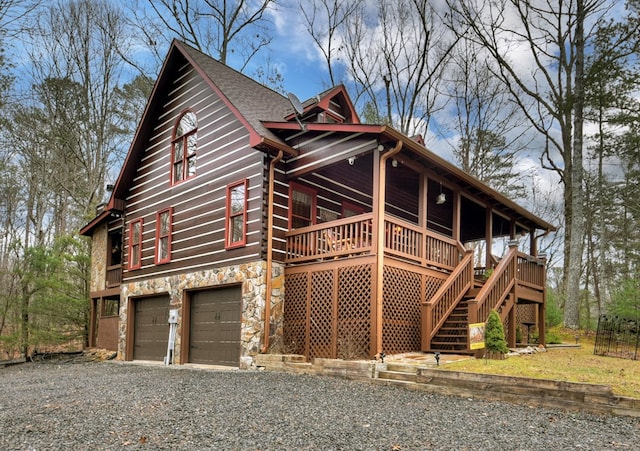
<point>111,405</point>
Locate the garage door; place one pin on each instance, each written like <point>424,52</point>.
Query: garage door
<point>151,333</point>
<point>214,332</point>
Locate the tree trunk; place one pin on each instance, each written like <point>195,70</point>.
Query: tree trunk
<point>576,226</point>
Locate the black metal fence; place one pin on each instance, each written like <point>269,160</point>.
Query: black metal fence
<point>618,337</point>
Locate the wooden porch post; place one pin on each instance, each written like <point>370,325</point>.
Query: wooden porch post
<point>488,237</point>
<point>533,243</point>
<point>542,317</point>
<point>379,193</point>
<point>456,215</point>
<point>93,314</point>
<point>422,201</point>
<point>512,328</point>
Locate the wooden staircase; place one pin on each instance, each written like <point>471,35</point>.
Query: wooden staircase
<point>453,335</point>
<point>462,300</point>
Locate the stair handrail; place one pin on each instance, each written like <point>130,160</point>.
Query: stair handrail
<point>437,309</point>
<point>496,288</point>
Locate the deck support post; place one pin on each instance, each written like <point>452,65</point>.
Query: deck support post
<point>269,270</point>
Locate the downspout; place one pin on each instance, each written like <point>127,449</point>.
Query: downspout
<point>269,275</point>
<point>382,182</point>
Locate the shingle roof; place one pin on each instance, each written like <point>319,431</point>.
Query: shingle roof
<point>255,102</point>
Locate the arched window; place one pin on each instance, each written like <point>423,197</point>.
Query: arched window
<point>184,146</point>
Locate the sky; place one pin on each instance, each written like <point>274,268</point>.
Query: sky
<point>299,60</point>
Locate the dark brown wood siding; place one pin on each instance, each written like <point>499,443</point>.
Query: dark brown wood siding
<point>199,203</point>
<point>339,182</point>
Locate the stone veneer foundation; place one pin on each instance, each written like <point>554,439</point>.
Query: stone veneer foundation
<point>250,275</point>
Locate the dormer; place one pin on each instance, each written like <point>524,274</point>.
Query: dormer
<point>330,107</point>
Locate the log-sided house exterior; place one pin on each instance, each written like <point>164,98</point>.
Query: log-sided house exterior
<point>267,230</point>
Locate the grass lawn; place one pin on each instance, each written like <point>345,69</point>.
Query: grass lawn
<point>566,364</point>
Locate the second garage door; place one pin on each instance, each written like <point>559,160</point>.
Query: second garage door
<point>215,326</point>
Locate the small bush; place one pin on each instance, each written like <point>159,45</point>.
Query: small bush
<point>494,338</point>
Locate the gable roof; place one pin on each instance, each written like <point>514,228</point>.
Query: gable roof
<point>249,101</point>
<point>322,101</point>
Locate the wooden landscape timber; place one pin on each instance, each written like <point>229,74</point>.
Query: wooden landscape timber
<point>593,398</point>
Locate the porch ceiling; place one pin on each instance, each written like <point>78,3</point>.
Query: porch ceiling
<point>413,158</point>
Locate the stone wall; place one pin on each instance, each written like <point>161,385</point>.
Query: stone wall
<point>253,280</point>
<point>98,258</point>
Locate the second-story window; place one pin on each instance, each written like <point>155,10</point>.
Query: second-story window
<point>184,146</point>
<point>302,206</point>
<point>135,244</point>
<point>163,235</point>
<point>236,230</point>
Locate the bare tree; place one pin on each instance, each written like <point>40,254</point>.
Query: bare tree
<point>488,126</point>
<point>64,136</point>
<point>217,27</point>
<point>612,76</point>
<point>13,14</point>
<point>552,37</point>
<point>77,70</point>
<point>324,21</point>
<point>393,61</point>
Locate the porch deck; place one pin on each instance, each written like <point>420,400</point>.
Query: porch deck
<point>333,273</point>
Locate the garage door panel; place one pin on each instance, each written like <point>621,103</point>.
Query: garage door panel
<point>215,326</point>
<point>151,329</point>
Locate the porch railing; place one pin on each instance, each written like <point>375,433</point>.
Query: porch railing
<point>333,239</point>
<point>530,271</point>
<point>114,276</point>
<point>425,247</point>
<point>354,236</point>
<point>496,289</point>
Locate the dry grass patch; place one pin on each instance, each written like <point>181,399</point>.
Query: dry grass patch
<point>565,364</point>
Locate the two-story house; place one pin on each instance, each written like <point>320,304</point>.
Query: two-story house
<point>266,224</point>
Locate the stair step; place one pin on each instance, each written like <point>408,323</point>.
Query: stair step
<point>382,381</point>
<point>472,293</point>
<point>401,367</point>
<point>459,315</point>
<point>449,346</point>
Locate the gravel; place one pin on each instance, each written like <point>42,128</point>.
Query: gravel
<point>112,405</point>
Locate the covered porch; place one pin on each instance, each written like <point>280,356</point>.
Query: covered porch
<point>408,274</point>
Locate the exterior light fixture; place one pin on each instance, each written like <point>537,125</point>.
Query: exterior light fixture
<point>441,199</point>
<point>351,160</point>
<point>394,163</point>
